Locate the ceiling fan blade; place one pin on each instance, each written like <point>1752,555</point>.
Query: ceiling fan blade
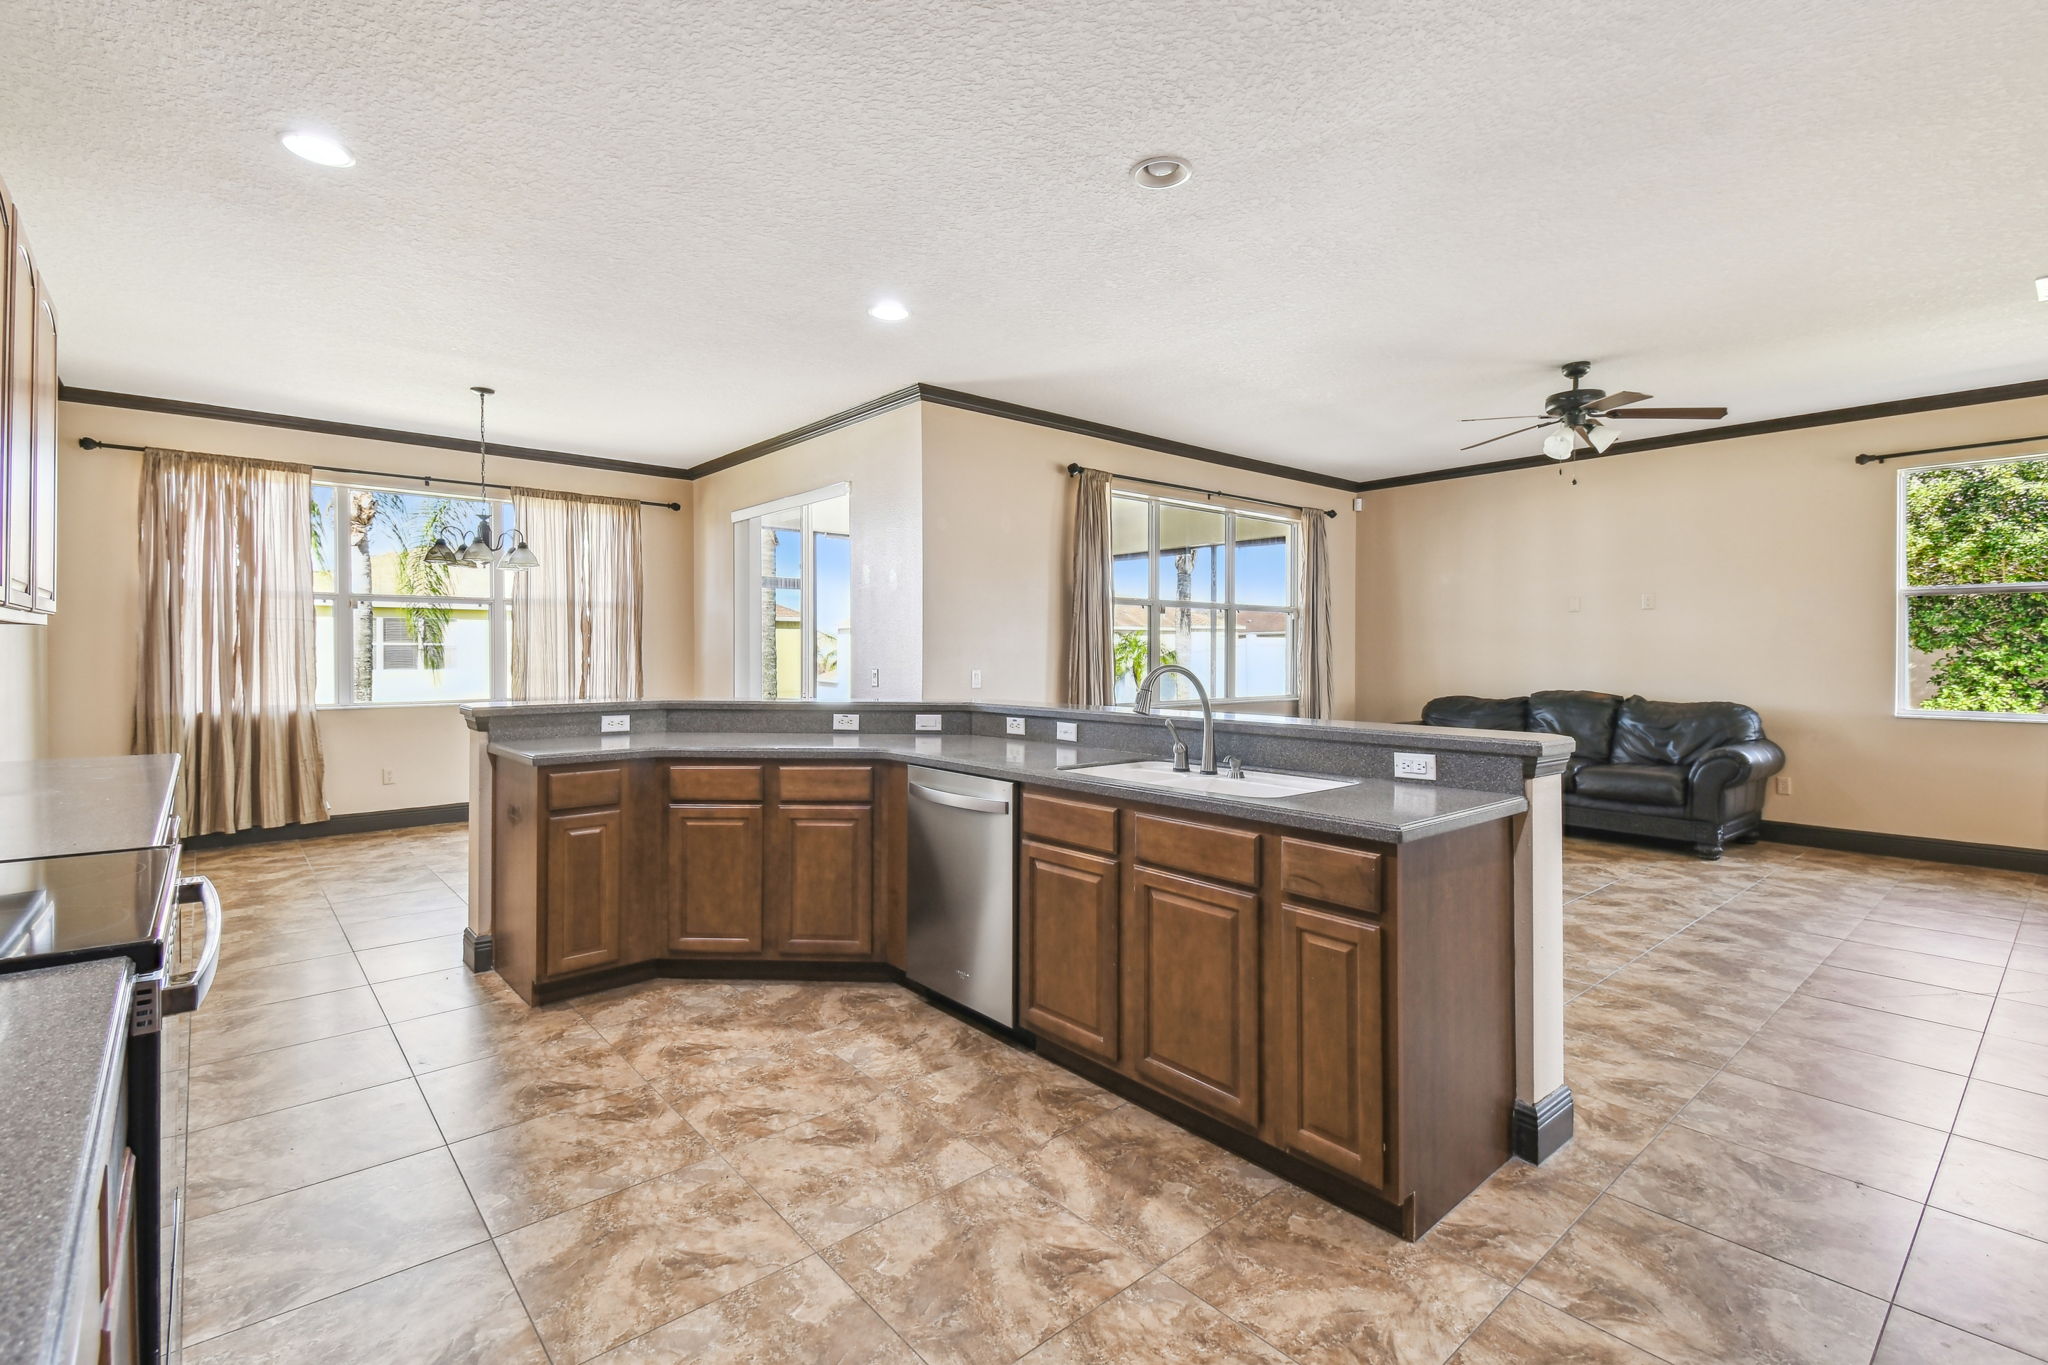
<point>1504,435</point>
<point>1518,417</point>
<point>1675,414</point>
<point>1615,400</point>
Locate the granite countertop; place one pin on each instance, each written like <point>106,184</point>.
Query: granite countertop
<point>62,1034</point>
<point>1375,808</point>
<point>55,807</point>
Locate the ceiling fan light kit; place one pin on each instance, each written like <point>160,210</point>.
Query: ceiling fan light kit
<point>1584,413</point>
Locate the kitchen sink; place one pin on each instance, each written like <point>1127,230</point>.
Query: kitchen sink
<point>1254,785</point>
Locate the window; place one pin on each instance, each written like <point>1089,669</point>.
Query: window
<point>793,573</point>
<point>1210,588</point>
<point>394,628</point>
<point>1973,590</point>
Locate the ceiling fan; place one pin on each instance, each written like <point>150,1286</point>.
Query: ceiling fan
<point>1585,413</point>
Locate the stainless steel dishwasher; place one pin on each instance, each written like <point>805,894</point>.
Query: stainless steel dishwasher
<point>962,912</point>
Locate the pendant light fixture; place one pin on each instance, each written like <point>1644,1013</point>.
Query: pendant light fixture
<point>484,549</point>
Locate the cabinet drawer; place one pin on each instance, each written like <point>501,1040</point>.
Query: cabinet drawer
<point>1079,824</point>
<point>720,782</point>
<point>1223,855</point>
<point>827,784</point>
<point>1346,877</point>
<point>573,788</point>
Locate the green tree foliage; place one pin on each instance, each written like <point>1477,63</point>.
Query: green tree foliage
<point>1980,524</point>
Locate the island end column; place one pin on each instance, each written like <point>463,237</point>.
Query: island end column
<point>1543,1102</point>
<point>476,939</point>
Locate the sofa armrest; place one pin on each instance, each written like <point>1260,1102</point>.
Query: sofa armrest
<point>1728,768</point>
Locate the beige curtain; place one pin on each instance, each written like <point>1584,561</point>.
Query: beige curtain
<point>228,677</point>
<point>576,618</point>
<point>1312,641</point>
<point>1088,643</point>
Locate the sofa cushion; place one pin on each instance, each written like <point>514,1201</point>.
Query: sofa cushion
<point>1588,717</point>
<point>1640,784</point>
<point>1679,731</point>
<point>1478,713</point>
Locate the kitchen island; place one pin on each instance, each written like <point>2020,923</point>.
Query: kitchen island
<point>1345,985</point>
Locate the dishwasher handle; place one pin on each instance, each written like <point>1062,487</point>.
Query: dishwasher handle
<point>984,805</point>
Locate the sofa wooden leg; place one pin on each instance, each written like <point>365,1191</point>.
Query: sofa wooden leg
<point>1710,852</point>
<point>1752,837</point>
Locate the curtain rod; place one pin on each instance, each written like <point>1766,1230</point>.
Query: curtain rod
<point>1943,450</point>
<point>1074,469</point>
<point>88,443</point>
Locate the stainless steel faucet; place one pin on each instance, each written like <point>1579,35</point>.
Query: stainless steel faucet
<point>1143,706</point>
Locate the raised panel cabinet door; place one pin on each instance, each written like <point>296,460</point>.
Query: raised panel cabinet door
<point>825,857</point>
<point>1330,1067</point>
<point>714,879</point>
<point>1068,926</point>
<point>17,498</point>
<point>584,878</point>
<point>1191,990</point>
<point>42,576</point>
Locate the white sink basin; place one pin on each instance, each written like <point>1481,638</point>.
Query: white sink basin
<point>1254,785</point>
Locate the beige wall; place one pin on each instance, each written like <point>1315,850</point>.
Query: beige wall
<point>24,701</point>
<point>94,637</point>
<point>878,459</point>
<point>1772,563</point>
<point>998,523</point>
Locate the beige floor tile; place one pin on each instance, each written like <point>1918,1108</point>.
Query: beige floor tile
<point>1825,1223</point>
<point>736,1096</point>
<point>2016,1019</point>
<point>460,1308</point>
<point>1994,1185</point>
<point>2004,1117</point>
<point>803,1314</point>
<point>435,1042</point>
<point>1525,1330</point>
<point>1914,999</point>
<point>254,1158</point>
<point>285,981</point>
<point>1926,968</point>
<point>1985,1280</point>
<point>1322,1285</point>
<point>2012,1062</point>
<point>239,1087</point>
<point>452,988</point>
<point>219,1033</point>
<point>1910,1339</point>
<point>611,1270</point>
<point>1890,1154</point>
<point>411,959</point>
<point>257,1261</point>
<point>1009,1104</point>
<point>539,1168</point>
<point>409,928</point>
<point>1154,1322</point>
<point>984,1271</point>
<point>1900,1037</point>
<point>1688,1296</point>
<point>246,952</point>
<point>511,1087</point>
<point>421,899</point>
<point>1917,1094</point>
<point>1505,1226</point>
<point>2027,988</point>
<point>1938,942</point>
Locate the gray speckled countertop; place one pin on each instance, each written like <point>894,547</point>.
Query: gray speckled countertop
<point>55,807</point>
<point>1375,808</point>
<point>62,1035</point>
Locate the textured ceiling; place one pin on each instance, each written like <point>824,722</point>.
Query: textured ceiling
<point>656,226</point>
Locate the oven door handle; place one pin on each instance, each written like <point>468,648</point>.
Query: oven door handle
<point>184,992</point>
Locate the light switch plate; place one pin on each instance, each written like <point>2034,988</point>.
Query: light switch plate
<point>1649,601</point>
<point>1421,767</point>
<point>974,677</point>
<point>925,722</point>
<point>1066,730</point>
<point>1782,785</point>
<point>612,725</point>
<point>845,720</point>
<point>1013,725</point>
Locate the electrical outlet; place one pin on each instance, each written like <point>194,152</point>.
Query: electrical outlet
<point>845,720</point>
<point>1013,725</point>
<point>1421,767</point>
<point>1649,601</point>
<point>1013,753</point>
<point>387,775</point>
<point>925,722</point>
<point>974,678</point>
<point>1066,730</point>
<point>1782,785</point>
<point>874,677</point>
<point>612,725</point>
<point>1358,504</point>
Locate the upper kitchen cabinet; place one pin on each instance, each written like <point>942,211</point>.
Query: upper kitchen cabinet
<point>28,430</point>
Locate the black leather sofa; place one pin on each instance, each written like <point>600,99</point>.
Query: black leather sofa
<point>1690,770</point>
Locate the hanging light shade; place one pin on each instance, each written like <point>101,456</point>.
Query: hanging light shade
<point>519,557</point>
<point>484,549</point>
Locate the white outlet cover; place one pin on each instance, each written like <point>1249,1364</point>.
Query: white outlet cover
<point>1013,725</point>
<point>1649,601</point>
<point>974,678</point>
<point>925,722</point>
<point>1066,730</point>
<point>845,720</point>
<point>1013,753</point>
<point>614,725</point>
<point>1420,767</point>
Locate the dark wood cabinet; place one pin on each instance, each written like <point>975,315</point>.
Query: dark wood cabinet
<point>1328,1072</point>
<point>822,865</point>
<point>1068,948</point>
<point>714,874</point>
<point>585,873</point>
<point>1191,990</point>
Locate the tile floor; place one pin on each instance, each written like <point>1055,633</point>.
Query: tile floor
<point>1813,1126</point>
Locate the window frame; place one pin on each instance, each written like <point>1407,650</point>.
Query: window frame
<point>345,598</point>
<point>1904,592</point>
<point>746,646</point>
<point>1154,604</point>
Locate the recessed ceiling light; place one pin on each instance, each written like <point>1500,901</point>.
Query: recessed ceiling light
<point>1161,172</point>
<point>317,148</point>
<point>889,310</point>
